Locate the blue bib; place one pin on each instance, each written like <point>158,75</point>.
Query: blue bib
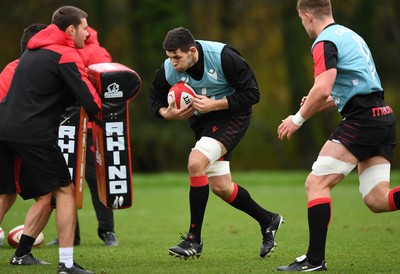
<point>356,72</point>
<point>213,84</point>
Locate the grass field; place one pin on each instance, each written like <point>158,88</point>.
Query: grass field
<point>358,241</point>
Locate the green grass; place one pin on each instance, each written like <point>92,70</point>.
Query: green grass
<point>358,241</point>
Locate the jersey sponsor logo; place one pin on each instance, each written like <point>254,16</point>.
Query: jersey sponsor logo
<point>381,111</point>
<point>214,128</point>
<point>113,91</point>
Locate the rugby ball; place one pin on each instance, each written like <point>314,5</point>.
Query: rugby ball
<point>181,94</point>
<point>15,234</point>
<point>2,236</point>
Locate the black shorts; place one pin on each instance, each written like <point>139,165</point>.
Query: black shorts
<point>365,141</point>
<point>43,169</point>
<point>227,129</point>
<point>368,128</point>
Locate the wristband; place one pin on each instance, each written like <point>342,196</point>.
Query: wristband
<point>297,119</point>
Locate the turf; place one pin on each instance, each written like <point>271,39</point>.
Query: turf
<point>358,241</point>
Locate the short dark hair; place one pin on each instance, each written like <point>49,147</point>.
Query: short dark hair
<point>28,33</point>
<point>66,16</point>
<point>179,38</point>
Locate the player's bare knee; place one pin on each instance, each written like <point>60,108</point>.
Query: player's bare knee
<point>64,191</point>
<point>44,198</point>
<point>314,185</point>
<point>195,166</point>
<point>6,201</point>
<point>374,205</point>
<point>308,183</point>
<point>374,208</point>
<point>220,191</point>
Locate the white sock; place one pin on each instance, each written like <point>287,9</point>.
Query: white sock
<point>66,255</point>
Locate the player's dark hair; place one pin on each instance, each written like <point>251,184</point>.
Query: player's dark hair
<point>66,16</point>
<point>179,38</point>
<point>28,33</point>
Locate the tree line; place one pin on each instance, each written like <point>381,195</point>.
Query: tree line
<point>268,34</point>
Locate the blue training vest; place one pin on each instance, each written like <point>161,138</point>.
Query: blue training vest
<point>356,72</point>
<point>213,84</point>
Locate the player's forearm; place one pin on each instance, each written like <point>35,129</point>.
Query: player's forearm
<point>328,104</point>
<point>317,100</point>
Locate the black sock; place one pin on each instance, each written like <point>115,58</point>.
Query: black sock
<point>198,197</point>
<point>25,245</point>
<point>319,215</point>
<point>396,198</point>
<point>245,203</point>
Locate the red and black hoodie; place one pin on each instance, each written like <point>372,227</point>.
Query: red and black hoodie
<point>49,77</point>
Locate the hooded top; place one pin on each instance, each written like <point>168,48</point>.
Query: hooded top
<point>6,77</point>
<point>49,77</point>
<point>93,52</point>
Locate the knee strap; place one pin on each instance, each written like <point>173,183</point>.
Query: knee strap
<point>218,168</point>
<point>325,165</point>
<point>209,147</point>
<point>372,176</point>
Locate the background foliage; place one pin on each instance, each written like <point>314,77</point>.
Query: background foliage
<point>269,35</point>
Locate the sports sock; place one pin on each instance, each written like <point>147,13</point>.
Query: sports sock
<point>25,245</point>
<point>394,198</point>
<point>319,215</point>
<point>66,255</point>
<point>241,199</point>
<point>198,198</point>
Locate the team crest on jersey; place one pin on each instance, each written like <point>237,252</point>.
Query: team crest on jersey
<point>184,79</point>
<point>113,91</point>
<point>213,74</point>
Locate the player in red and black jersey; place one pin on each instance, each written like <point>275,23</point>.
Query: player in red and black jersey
<point>40,211</point>
<point>49,77</point>
<point>94,53</point>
